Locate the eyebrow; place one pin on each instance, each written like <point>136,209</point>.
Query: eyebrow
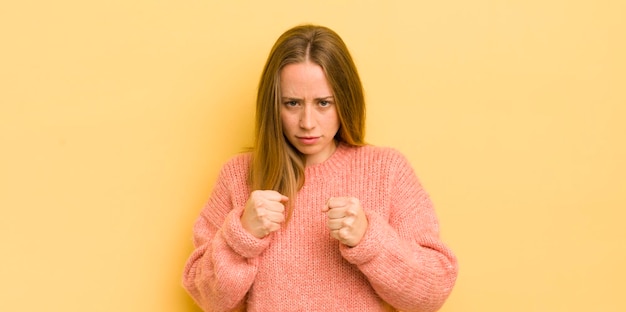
<point>288,98</point>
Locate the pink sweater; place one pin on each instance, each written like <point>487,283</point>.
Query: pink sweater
<point>400,264</point>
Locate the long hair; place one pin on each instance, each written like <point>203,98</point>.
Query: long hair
<point>276,164</point>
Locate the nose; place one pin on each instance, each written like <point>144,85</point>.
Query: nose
<point>306,118</point>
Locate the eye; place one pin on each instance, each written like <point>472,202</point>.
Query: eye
<point>291,103</point>
<point>325,103</point>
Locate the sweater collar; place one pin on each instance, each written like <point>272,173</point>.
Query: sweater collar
<point>339,159</point>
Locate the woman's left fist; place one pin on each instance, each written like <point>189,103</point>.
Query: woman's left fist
<point>346,220</point>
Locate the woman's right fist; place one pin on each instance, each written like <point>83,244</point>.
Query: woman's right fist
<point>264,212</point>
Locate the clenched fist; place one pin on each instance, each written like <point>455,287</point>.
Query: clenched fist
<point>264,213</point>
<point>346,220</point>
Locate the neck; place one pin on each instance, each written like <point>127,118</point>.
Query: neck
<point>309,161</point>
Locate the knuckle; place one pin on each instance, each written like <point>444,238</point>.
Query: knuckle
<point>258,205</point>
<point>261,213</point>
<point>267,224</point>
<point>344,234</point>
<point>280,207</point>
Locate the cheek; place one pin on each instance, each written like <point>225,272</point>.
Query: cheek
<point>287,121</point>
<point>333,121</point>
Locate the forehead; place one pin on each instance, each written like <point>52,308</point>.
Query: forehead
<point>306,78</point>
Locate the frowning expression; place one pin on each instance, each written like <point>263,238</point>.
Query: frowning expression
<point>308,111</point>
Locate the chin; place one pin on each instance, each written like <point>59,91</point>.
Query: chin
<point>308,150</point>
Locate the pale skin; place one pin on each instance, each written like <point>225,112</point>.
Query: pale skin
<point>264,212</point>
<point>346,220</point>
<point>310,121</point>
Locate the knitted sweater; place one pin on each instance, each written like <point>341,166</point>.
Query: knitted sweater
<point>400,264</point>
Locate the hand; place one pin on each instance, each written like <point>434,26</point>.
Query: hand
<point>346,220</point>
<point>264,213</point>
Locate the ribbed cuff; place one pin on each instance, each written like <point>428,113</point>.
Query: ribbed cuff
<point>370,245</point>
<point>242,242</point>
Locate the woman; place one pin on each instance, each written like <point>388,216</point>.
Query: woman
<point>313,219</point>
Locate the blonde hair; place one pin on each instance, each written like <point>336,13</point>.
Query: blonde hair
<point>276,164</point>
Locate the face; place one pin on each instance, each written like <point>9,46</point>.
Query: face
<point>308,111</point>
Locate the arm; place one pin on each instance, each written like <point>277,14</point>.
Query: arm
<point>403,257</point>
<point>222,268</point>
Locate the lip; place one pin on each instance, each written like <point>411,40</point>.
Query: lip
<point>308,140</point>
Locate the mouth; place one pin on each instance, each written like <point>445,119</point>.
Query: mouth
<point>308,140</point>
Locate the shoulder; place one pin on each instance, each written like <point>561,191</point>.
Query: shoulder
<point>239,160</point>
<point>386,160</point>
<point>384,164</point>
<point>380,154</point>
<point>236,167</point>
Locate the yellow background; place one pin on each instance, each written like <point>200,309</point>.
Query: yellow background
<point>116,115</point>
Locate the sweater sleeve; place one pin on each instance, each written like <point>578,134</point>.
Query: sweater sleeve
<point>403,258</point>
<point>222,268</point>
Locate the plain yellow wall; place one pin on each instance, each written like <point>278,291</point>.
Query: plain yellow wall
<point>115,117</point>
